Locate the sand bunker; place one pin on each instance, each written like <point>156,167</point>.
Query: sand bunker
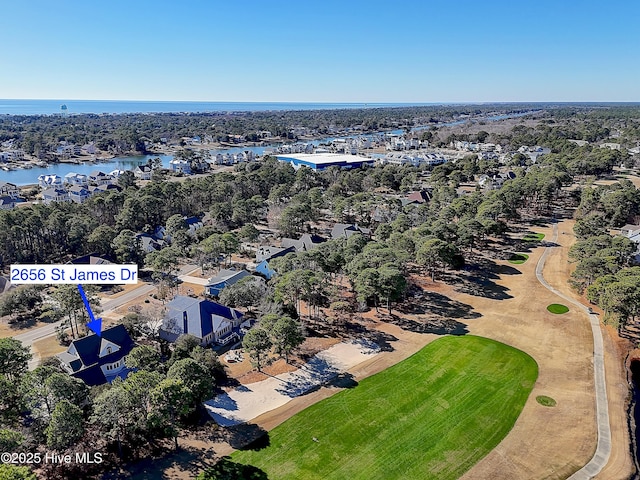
<point>246,402</point>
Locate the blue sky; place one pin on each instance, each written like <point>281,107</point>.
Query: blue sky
<point>328,51</point>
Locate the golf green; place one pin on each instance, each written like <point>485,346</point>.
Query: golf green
<point>518,258</point>
<point>533,237</point>
<point>433,415</point>
<point>558,308</point>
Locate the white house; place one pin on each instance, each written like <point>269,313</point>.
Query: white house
<point>46,181</point>
<point>143,172</point>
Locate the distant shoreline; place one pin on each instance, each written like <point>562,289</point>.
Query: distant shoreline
<point>124,107</point>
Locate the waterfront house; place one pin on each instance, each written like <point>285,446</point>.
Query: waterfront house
<point>9,189</point>
<point>46,181</point>
<point>180,166</point>
<point>89,149</point>
<point>73,178</point>
<point>100,178</point>
<point>223,279</point>
<point>97,360</point>
<point>78,194</point>
<point>208,321</point>
<point>55,194</point>
<point>142,172</point>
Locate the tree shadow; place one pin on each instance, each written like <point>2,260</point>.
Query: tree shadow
<point>247,436</point>
<point>186,459</point>
<point>508,270</point>
<point>344,380</point>
<point>228,469</point>
<point>441,326</point>
<point>438,305</point>
<point>382,339</point>
<point>478,279</point>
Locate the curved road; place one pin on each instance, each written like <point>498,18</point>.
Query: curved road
<point>603,449</point>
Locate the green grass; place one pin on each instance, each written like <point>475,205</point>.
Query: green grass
<point>533,237</point>
<point>558,308</point>
<point>546,401</point>
<point>518,258</point>
<point>434,415</point>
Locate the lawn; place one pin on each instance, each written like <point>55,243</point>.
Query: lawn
<point>432,416</point>
<point>533,237</point>
<point>558,308</point>
<point>518,258</point>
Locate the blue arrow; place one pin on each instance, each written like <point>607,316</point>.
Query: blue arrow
<point>95,325</point>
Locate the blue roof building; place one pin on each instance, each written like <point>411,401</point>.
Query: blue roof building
<point>206,320</point>
<point>320,161</point>
<point>98,359</point>
<point>223,279</point>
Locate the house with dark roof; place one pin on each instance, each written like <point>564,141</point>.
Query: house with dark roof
<point>345,230</point>
<point>193,224</point>
<point>268,253</point>
<point>8,189</point>
<point>91,259</point>
<point>7,202</point>
<point>98,359</point>
<point>223,279</point>
<point>265,254</point>
<point>105,187</point>
<point>99,178</point>
<point>305,243</point>
<point>78,193</point>
<point>206,320</point>
<point>56,194</point>
<point>150,243</point>
<point>416,198</point>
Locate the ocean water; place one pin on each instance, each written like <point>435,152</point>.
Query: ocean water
<point>50,107</point>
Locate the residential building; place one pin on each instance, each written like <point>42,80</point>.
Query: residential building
<point>73,178</point>
<point>100,178</point>
<point>223,279</point>
<point>345,230</point>
<point>305,243</point>
<point>78,194</point>
<point>193,224</point>
<point>208,321</point>
<point>180,166</point>
<point>150,243</point>
<point>265,254</point>
<point>7,202</point>
<point>46,181</point>
<point>9,189</point>
<point>142,172</point>
<point>98,359</point>
<point>55,194</point>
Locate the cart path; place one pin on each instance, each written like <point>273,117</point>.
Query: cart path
<point>603,448</point>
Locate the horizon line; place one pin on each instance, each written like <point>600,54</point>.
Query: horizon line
<point>462,102</point>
